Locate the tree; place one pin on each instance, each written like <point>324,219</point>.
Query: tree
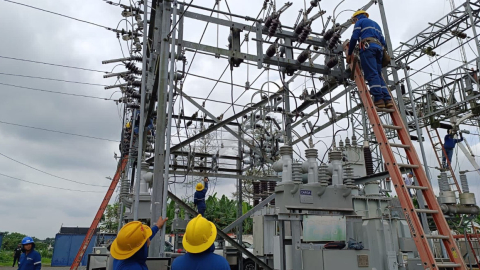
<point>11,240</point>
<point>109,221</point>
<point>221,211</point>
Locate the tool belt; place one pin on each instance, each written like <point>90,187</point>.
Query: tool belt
<point>365,43</point>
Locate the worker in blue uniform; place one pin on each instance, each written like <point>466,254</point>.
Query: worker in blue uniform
<point>130,248</point>
<point>449,145</point>
<point>30,258</point>
<point>198,242</point>
<point>199,196</point>
<point>371,42</point>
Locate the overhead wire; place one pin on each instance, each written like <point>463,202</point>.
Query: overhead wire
<point>50,64</point>
<point>59,14</point>
<point>56,176</point>
<point>43,185</point>
<point>50,79</point>
<point>61,132</point>
<point>57,92</point>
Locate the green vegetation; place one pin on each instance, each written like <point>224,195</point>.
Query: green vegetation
<point>10,242</point>
<point>221,211</point>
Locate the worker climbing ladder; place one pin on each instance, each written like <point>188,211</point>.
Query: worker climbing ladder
<point>411,213</point>
<point>439,150</point>
<point>91,231</point>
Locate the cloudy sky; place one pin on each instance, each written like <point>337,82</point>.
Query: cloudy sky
<point>34,35</point>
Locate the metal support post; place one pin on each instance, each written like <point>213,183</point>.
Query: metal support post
<point>474,29</point>
<point>401,104</point>
<point>421,200</point>
<point>296,241</point>
<point>159,161</point>
<point>169,128</point>
<point>141,125</point>
<point>240,203</point>
<point>281,229</point>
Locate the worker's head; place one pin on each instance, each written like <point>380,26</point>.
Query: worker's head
<point>19,245</point>
<point>355,16</point>
<point>199,235</point>
<point>130,239</point>
<point>128,124</point>
<point>27,243</point>
<point>410,174</point>
<point>199,187</point>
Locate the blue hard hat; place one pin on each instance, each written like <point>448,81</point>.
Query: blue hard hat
<point>27,240</point>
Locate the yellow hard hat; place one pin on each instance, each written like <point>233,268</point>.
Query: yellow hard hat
<point>199,235</point>
<point>128,125</point>
<point>360,12</point>
<point>199,187</point>
<point>130,239</point>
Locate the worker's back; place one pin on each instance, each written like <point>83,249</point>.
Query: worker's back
<point>206,260</point>
<point>366,28</point>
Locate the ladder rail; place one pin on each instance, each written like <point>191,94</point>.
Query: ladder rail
<point>91,231</point>
<point>408,207</point>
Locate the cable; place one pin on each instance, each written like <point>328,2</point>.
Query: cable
<point>86,191</point>
<point>50,64</point>
<point>181,16</point>
<point>61,132</point>
<point>56,92</point>
<point>50,79</point>
<point>108,28</point>
<point>50,173</point>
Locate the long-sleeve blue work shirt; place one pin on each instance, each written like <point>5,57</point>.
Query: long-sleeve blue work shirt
<point>450,141</point>
<point>30,261</point>
<point>366,28</point>
<point>138,260</point>
<point>206,260</point>
<point>199,197</point>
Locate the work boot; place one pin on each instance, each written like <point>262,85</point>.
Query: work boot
<point>389,104</point>
<point>379,103</point>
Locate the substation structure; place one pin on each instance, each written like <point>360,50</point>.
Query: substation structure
<point>303,210</point>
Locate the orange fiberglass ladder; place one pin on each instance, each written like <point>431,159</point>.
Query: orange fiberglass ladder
<point>411,213</point>
<point>78,259</point>
<point>439,150</point>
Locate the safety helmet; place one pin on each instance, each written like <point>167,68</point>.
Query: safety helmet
<point>27,240</point>
<point>199,187</point>
<point>360,12</point>
<point>128,125</point>
<point>130,239</point>
<point>199,235</point>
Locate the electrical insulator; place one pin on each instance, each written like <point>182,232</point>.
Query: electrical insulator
<point>332,62</point>
<point>268,22</point>
<point>329,34</point>
<point>273,27</point>
<point>429,51</point>
<point>314,3</point>
<point>402,86</point>
<point>303,56</point>
<point>137,83</point>
<point>299,29</point>
<point>459,34</point>
<point>304,35</point>
<point>334,40</point>
<point>271,50</point>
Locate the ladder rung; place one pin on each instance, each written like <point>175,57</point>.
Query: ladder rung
<point>391,127</point>
<point>385,110</point>
<point>430,236</point>
<point>426,211</point>
<point>448,265</point>
<point>417,187</point>
<point>399,145</point>
<point>411,166</point>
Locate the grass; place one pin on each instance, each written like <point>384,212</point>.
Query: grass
<point>6,259</point>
